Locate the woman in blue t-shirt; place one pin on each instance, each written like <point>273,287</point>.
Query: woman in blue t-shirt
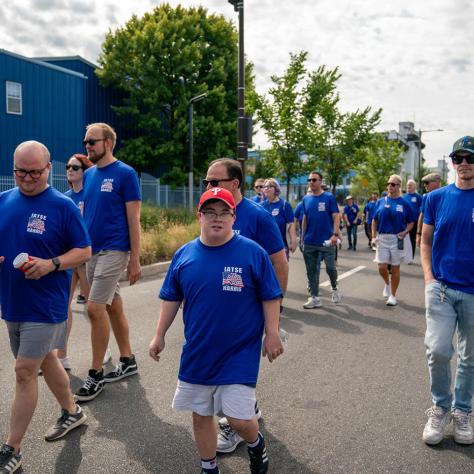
<point>281,212</point>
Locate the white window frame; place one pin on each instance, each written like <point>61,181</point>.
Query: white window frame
<point>9,95</point>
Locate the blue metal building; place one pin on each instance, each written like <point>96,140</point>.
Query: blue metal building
<point>50,100</point>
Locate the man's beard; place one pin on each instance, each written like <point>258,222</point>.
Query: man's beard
<point>96,157</point>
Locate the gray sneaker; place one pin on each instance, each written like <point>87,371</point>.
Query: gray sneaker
<point>65,423</point>
<point>438,419</point>
<point>336,297</point>
<point>227,438</point>
<point>313,302</point>
<point>463,433</point>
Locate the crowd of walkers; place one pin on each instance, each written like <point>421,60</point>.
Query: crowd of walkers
<point>52,242</point>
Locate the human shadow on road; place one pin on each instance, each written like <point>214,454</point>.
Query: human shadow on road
<point>280,458</point>
<point>448,444</point>
<point>70,458</point>
<point>124,414</point>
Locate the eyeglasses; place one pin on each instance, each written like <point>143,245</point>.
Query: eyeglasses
<point>259,186</point>
<point>215,182</point>
<point>212,216</point>
<point>268,186</point>
<point>93,141</point>
<point>458,159</point>
<point>74,167</point>
<point>34,174</point>
<point>393,184</point>
<point>313,180</point>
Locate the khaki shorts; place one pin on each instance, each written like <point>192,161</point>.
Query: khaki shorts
<point>36,340</point>
<point>236,401</point>
<point>103,272</point>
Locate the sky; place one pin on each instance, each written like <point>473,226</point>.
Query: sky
<point>412,58</point>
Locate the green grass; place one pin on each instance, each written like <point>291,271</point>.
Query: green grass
<point>164,231</point>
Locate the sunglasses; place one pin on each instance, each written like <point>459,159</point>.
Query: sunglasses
<point>258,186</point>
<point>458,159</point>
<point>313,180</point>
<point>215,182</point>
<point>74,167</point>
<point>393,184</point>
<point>93,141</point>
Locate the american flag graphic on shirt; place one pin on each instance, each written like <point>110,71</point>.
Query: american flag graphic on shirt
<point>232,279</point>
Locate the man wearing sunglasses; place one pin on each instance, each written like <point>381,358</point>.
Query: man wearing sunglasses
<point>112,215</point>
<point>47,228</point>
<point>258,186</point>
<point>255,223</point>
<point>447,257</point>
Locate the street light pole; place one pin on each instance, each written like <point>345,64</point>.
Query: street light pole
<point>190,147</point>
<point>242,151</point>
<point>420,184</point>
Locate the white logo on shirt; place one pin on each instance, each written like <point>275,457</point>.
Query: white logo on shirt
<point>413,199</point>
<point>232,279</point>
<point>321,206</point>
<point>399,208</point>
<point>36,224</point>
<point>107,185</point>
<point>275,212</point>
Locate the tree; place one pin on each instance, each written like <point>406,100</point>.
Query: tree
<point>159,62</point>
<point>378,160</point>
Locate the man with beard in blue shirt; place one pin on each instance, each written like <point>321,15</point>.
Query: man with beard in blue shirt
<point>255,223</point>
<point>447,257</point>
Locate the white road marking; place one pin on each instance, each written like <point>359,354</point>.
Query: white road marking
<point>344,275</point>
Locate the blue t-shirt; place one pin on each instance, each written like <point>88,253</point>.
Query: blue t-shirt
<point>351,213</point>
<point>319,221</point>
<point>393,215</point>
<point>223,289</point>
<point>78,198</point>
<point>423,203</point>
<point>257,199</point>
<point>415,200</point>
<point>451,211</point>
<point>369,211</point>
<point>106,191</point>
<point>283,215</point>
<point>299,215</point>
<point>255,223</point>
<point>46,225</point>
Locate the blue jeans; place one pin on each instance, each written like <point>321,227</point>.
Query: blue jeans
<point>446,311</point>
<point>352,236</point>
<point>313,256</point>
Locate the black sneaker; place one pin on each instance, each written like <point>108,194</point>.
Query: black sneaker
<point>81,299</point>
<point>65,423</point>
<point>93,385</point>
<point>126,367</point>
<point>210,471</point>
<point>9,461</point>
<point>258,457</point>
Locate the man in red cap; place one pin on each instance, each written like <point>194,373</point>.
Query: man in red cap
<point>231,295</point>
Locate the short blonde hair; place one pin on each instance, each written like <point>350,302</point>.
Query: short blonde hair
<point>34,144</point>
<point>107,131</point>
<point>396,177</point>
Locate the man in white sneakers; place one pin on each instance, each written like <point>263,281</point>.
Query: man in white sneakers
<point>447,256</point>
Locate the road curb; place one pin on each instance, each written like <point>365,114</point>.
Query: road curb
<point>150,270</point>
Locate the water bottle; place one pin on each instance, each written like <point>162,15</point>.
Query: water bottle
<point>284,336</point>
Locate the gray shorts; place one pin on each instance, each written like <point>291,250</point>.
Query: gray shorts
<point>236,401</point>
<point>36,340</point>
<point>103,272</point>
<point>387,250</point>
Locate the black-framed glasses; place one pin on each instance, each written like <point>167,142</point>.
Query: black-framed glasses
<point>458,159</point>
<point>215,182</point>
<point>34,174</point>
<point>93,141</point>
<point>313,180</point>
<point>74,167</point>
<point>393,184</point>
<point>212,216</point>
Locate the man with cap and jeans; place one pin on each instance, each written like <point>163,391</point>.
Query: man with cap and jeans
<point>447,256</point>
<point>255,223</point>
<point>231,295</point>
<point>431,182</point>
<point>43,229</point>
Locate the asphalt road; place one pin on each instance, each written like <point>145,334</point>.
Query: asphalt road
<point>348,395</point>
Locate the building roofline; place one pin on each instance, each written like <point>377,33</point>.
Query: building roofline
<point>67,58</point>
<point>42,63</point>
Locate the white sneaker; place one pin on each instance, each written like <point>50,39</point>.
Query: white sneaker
<point>107,356</point>
<point>66,363</point>
<point>438,419</point>
<point>463,433</point>
<point>411,262</point>
<point>227,438</point>
<point>392,301</point>
<point>387,291</point>
<point>313,302</point>
<point>336,297</point>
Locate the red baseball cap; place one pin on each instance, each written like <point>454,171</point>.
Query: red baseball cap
<point>219,194</point>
